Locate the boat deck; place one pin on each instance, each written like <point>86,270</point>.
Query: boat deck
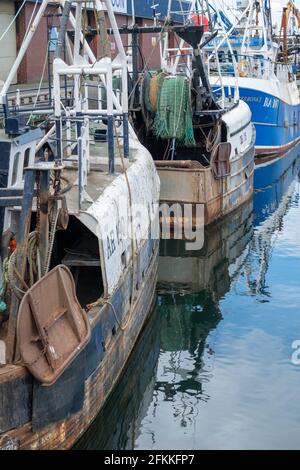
<point>98,181</point>
<point>98,178</point>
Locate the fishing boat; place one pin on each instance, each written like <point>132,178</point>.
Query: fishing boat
<point>267,77</point>
<point>78,266</point>
<point>203,145</point>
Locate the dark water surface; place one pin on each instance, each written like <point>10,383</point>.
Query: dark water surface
<point>213,368</point>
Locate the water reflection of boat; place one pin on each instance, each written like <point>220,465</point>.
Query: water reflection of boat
<point>191,284</point>
<point>116,425</point>
<point>190,287</point>
<point>208,268</point>
<point>271,183</point>
<point>271,204</point>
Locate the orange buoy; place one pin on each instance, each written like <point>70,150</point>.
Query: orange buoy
<point>13,245</point>
<point>200,20</point>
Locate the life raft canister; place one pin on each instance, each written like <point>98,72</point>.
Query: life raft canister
<point>200,20</point>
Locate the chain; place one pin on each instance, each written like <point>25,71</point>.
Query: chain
<point>57,182</point>
<point>41,354</point>
<point>53,225</point>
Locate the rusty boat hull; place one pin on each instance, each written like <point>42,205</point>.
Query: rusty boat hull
<point>56,417</point>
<point>199,186</point>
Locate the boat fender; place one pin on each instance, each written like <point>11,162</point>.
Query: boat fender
<point>243,68</point>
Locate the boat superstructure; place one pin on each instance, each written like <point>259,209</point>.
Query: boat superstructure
<point>267,79</point>
<point>78,260</point>
<point>202,143</point>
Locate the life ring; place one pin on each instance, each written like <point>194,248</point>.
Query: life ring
<point>243,68</point>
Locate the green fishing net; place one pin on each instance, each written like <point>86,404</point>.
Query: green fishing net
<point>173,119</point>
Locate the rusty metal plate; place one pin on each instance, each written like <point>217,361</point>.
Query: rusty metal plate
<point>52,327</point>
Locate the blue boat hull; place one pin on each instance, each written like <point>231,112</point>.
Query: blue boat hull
<point>272,181</point>
<point>277,123</point>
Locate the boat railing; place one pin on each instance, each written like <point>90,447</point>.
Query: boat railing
<point>217,69</point>
<point>254,66</point>
<point>85,98</point>
<point>92,104</point>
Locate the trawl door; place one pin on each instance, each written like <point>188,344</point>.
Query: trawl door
<point>8,46</point>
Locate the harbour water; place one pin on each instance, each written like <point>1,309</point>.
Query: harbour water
<point>215,367</point>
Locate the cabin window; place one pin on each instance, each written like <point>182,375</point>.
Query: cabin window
<point>123,259</point>
<point>222,160</point>
<point>26,159</point>
<point>14,178</point>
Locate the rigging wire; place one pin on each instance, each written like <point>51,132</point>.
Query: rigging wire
<point>30,23</point>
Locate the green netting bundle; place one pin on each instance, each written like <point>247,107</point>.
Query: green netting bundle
<point>173,119</point>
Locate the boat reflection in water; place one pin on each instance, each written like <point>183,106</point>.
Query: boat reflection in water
<point>116,425</point>
<point>191,284</point>
<point>272,182</point>
<point>190,287</point>
<point>273,199</point>
<point>169,393</point>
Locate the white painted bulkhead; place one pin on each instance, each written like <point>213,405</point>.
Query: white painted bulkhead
<point>239,128</point>
<point>109,217</point>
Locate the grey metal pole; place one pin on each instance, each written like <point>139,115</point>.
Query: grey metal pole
<point>44,217</point>
<point>63,28</point>
<point>111,145</point>
<point>126,135</point>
